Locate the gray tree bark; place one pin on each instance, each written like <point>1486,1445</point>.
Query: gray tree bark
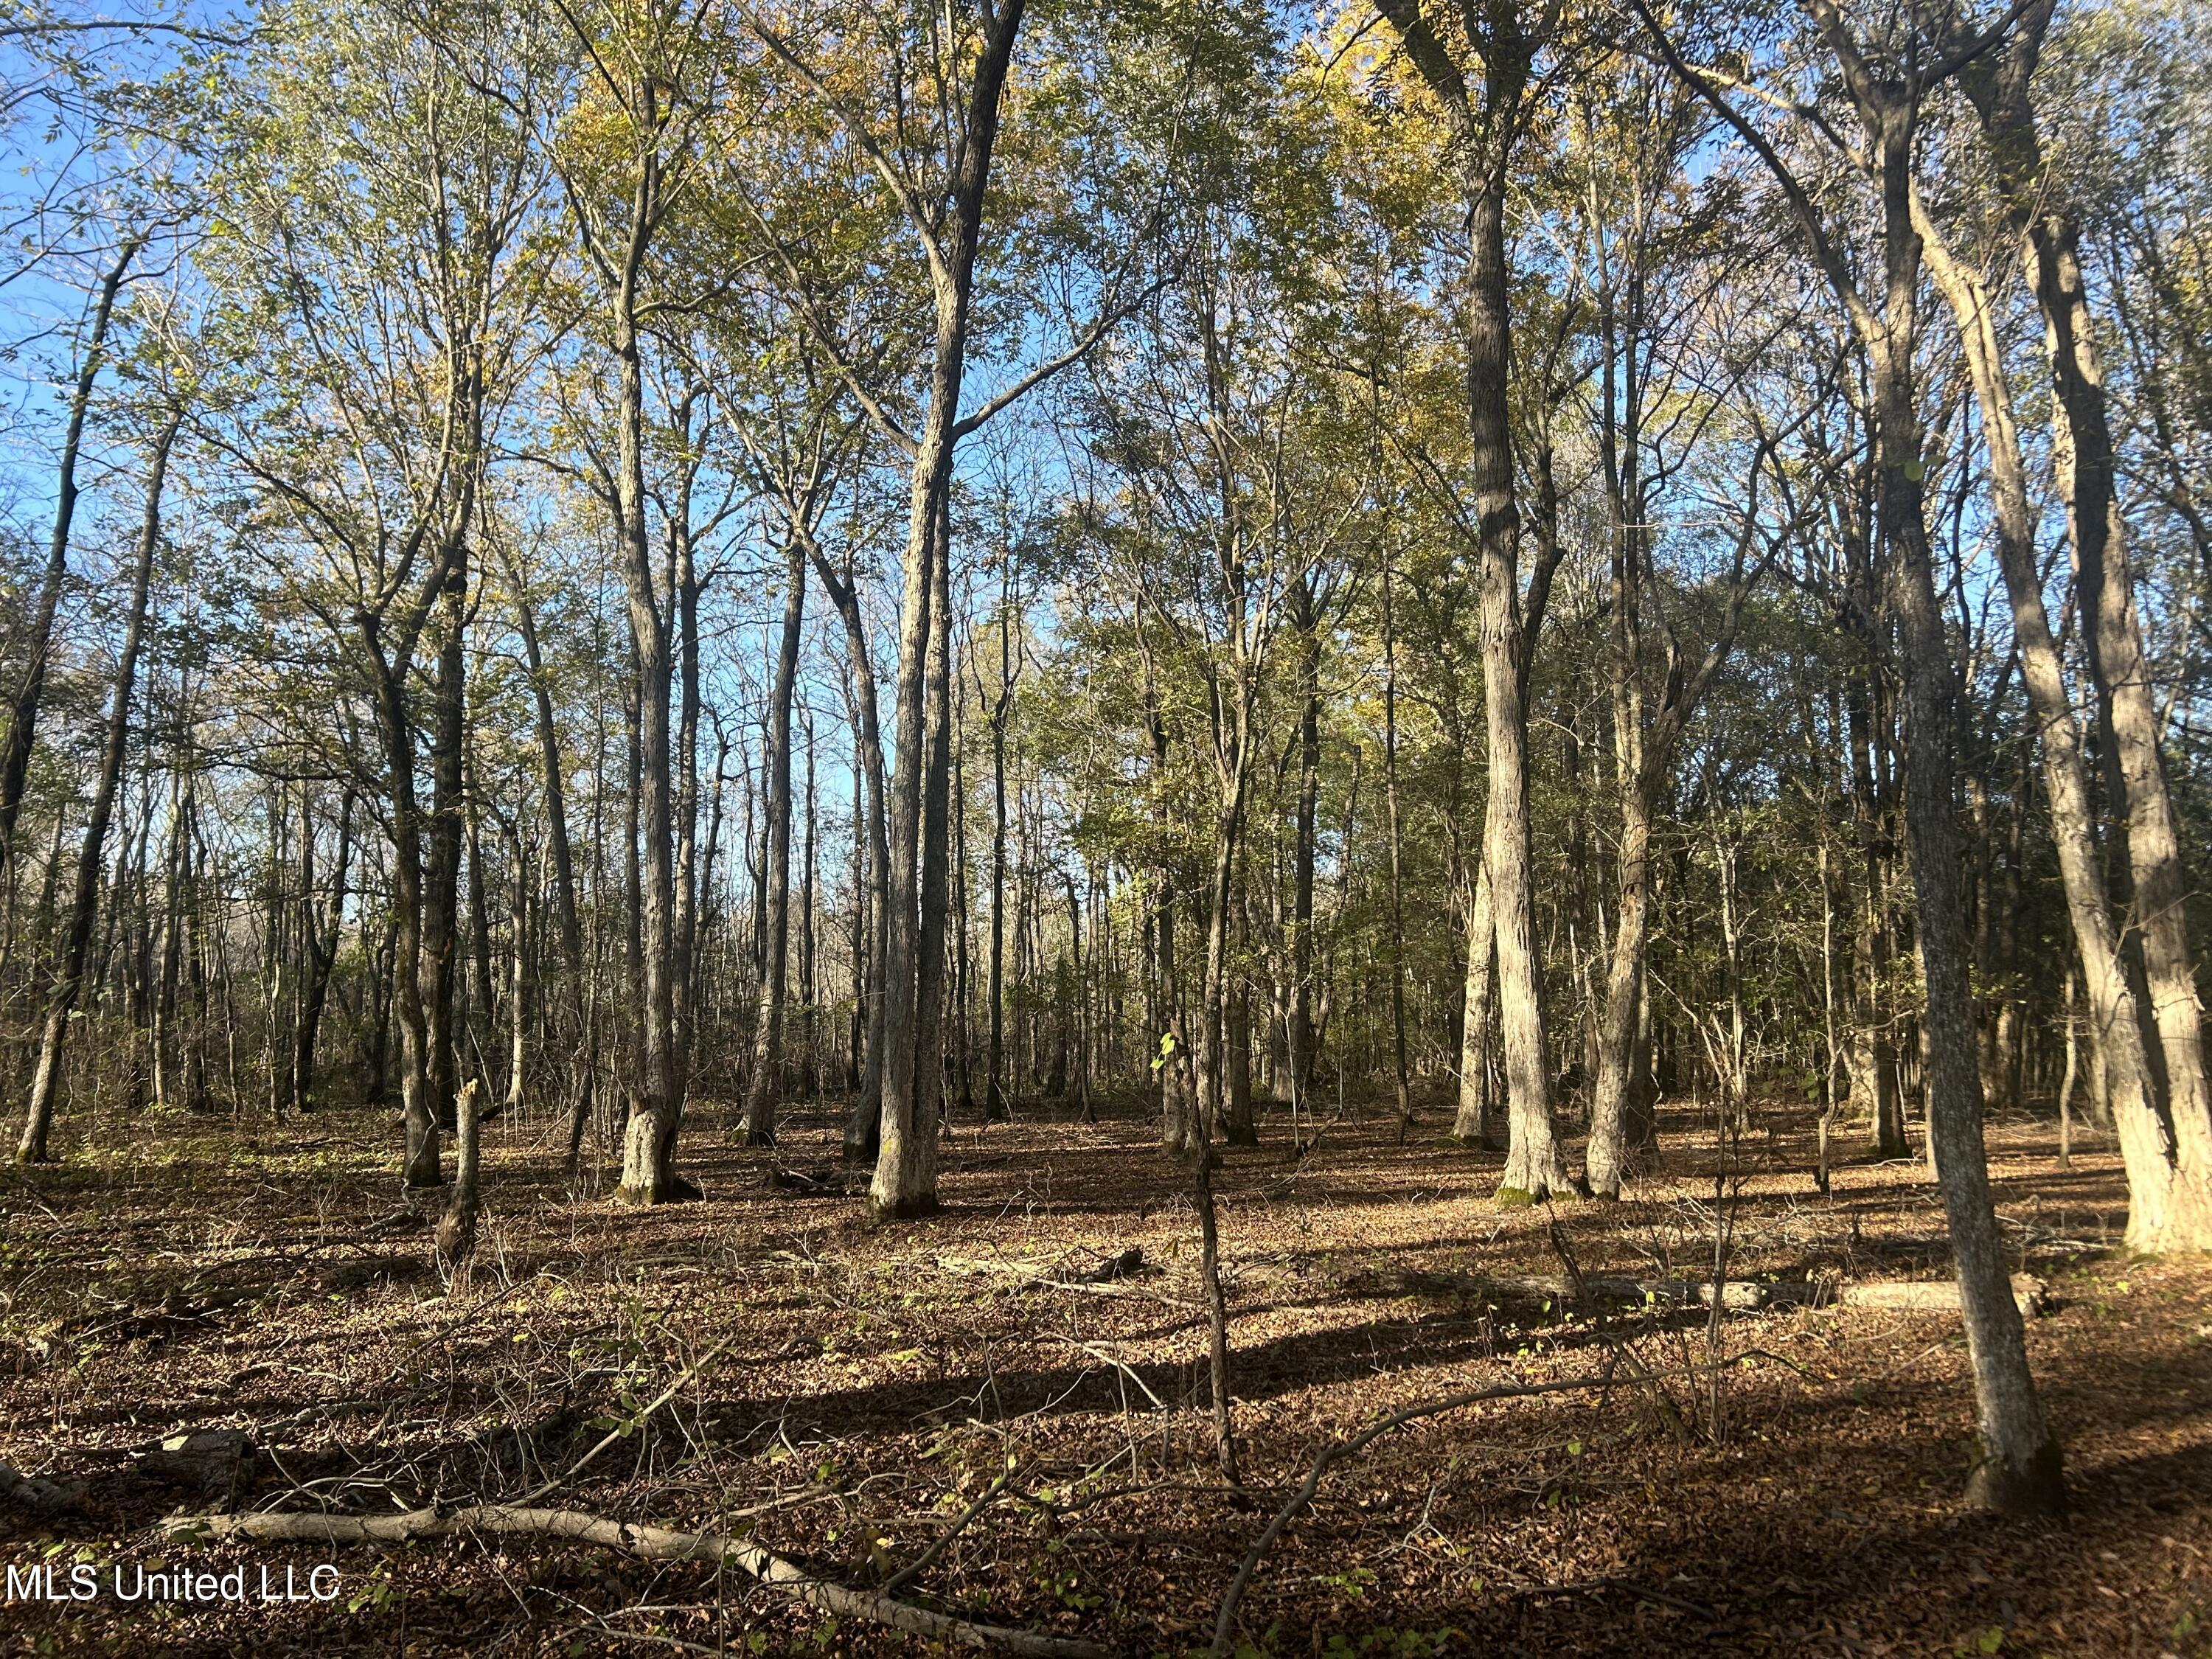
<point>765,1087</point>
<point>77,935</point>
<point>2169,1201</point>
<point>38,645</point>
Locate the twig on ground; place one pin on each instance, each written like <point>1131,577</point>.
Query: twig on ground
<point>907,1574</point>
<point>1630,1585</point>
<point>1118,1364</point>
<point>624,1428</point>
<point>1337,1451</point>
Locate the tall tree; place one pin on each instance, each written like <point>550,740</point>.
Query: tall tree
<point>84,900</point>
<point>37,648</point>
<point>2018,1467</point>
<point>1481,82</point>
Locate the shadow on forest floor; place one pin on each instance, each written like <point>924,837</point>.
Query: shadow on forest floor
<point>178,1273</point>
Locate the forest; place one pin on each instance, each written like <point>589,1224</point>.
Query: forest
<point>1168,827</point>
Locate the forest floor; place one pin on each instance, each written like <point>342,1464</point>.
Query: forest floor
<point>846,1395</point>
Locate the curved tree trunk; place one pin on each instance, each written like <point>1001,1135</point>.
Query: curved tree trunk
<point>2018,1467</point>
<point>2041,218</point>
<point>2169,1200</point>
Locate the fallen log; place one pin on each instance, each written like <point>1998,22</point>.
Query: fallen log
<point>632,1538</point>
<point>1934,1295</point>
<point>1902,1295</point>
<point>1128,1264</point>
<point>39,1498</point>
<point>205,1458</point>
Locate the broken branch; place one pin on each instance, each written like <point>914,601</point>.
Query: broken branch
<point>646,1542</point>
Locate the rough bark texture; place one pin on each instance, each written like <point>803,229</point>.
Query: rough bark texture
<point>648,1173</point>
<point>321,939</point>
<point>2145,1147</point>
<point>1608,1154</point>
<point>2039,212</point>
<point>1484,124</point>
<point>554,784</point>
<point>1473,1123</point>
<point>455,1240</point>
<point>864,1125</point>
<point>2019,1466</point>
<point>905,1180</point>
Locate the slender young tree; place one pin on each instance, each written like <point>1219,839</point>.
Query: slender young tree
<point>37,647</point>
<point>765,1087</point>
<point>84,901</point>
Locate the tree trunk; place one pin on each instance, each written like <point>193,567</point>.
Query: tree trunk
<point>1485,122</point>
<point>1404,1087</point>
<point>420,1169</point>
<point>1242,1128</point>
<point>1168,1051</point>
<point>1301,1033</point>
<point>1624,986</point>
<point>455,1240</point>
<point>656,1110</point>
<point>322,946</point>
<point>1472,1126</point>
<point>994,1105</point>
<point>38,643</point>
<point>550,778</point>
<point>766,1087</point>
<point>905,1181</point>
<point>441,932</point>
<point>2169,1199</point>
<point>863,1130</point>
<point>2085,462</point>
<point>69,979</point>
<point>2018,1467</point>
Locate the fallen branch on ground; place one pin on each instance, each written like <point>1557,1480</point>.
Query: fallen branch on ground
<point>1127,1264</point>
<point>632,1538</point>
<point>39,1498</point>
<point>1910,1295</point>
<point>1028,1274</point>
<point>1934,1295</point>
<point>1120,1365</point>
<point>907,1574</point>
<point>630,1424</point>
